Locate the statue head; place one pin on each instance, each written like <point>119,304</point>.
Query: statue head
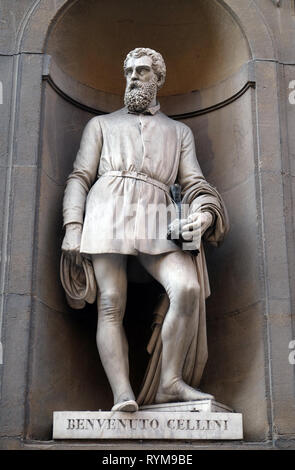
<point>145,73</point>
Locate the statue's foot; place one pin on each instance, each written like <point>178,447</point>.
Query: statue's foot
<point>125,401</point>
<point>180,391</point>
<point>129,405</point>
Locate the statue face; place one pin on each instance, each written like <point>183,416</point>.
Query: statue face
<point>141,84</point>
<point>139,70</point>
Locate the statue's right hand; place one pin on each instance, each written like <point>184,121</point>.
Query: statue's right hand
<point>72,239</point>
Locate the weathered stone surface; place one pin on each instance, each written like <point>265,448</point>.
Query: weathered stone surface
<point>49,242</point>
<point>97,70</point>
<point>233,373</point>
<point>65,371</point>
<point>22,229</point>
<point>6,74</point>
<point>250,20</point>
<point>61,135</point>
<point>210,406</point>
<point>278,260</point>
<point>12,13</point>
<point>38,21</point>
<point>3,181</point>
<point>280,20</point>
<point>15,364</point>
<point>235,266</point>
<point>146,425</point>
<point>29,109</point>
<point>224,143</point>
<point>283,372</point>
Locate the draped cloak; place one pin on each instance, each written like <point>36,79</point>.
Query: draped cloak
<point>129,160</point>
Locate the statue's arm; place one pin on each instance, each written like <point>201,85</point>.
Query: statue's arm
<point>78,184</point>
<point>206,208</point>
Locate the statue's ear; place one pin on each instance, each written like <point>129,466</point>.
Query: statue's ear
<point>161,81</point>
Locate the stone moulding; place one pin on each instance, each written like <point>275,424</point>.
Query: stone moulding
<point>216,106</point>
<point>249,84</point>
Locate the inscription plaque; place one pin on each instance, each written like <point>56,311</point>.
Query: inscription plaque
<point>146,425</point>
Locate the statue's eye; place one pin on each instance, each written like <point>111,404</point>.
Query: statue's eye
<point>142,70</point>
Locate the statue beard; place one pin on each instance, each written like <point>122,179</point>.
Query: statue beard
<point>138,96</point>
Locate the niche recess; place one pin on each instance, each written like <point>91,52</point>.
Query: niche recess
<point>210,87</point>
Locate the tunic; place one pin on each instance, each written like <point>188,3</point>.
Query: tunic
<point>128,211</point>
<point>123,170</point>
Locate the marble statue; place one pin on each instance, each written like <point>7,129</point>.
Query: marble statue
<point>127,162</point>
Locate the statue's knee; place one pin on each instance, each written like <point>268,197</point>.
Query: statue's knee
<point>186,296</point>
<point>192,293</point>
<point>111,297</point>
<point>111,305</point>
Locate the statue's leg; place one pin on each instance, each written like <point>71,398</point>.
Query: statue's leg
<point>110,273</point>
<point>177,273</point>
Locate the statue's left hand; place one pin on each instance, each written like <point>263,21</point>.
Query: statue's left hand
<point>196,225</point>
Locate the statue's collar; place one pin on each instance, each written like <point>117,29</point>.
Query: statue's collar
<point>152,110</point>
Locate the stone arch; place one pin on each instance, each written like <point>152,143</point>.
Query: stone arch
<point>38,20</point>
<point>43,16</point>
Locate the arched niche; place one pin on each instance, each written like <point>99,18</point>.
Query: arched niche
<point>210,86</point>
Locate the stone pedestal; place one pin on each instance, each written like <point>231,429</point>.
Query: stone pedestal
<point>210,406</point>
<point>191,420</point>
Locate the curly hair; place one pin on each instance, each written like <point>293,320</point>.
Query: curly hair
<point>158,63</point>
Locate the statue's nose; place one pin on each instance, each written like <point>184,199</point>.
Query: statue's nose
<point>134,75</point>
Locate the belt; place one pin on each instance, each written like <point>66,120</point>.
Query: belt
<point>138,176</point>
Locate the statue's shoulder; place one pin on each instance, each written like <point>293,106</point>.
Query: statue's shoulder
<point>180,126</point>
<point>118,114</point>
<point>96,121</point>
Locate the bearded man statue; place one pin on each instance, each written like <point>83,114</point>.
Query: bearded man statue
<point>127,162</point>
